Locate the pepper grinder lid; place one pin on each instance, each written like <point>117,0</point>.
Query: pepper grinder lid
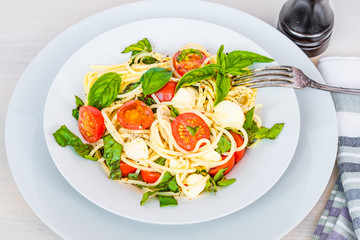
<point>308,23</point>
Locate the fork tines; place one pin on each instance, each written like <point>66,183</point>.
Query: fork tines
<point>281,76</point>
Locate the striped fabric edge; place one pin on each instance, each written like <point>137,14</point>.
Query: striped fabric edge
<point>344,221</point>
<point>348,161</point>
<point>335,222</point>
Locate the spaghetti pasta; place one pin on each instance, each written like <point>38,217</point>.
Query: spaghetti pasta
<point>182,140</point>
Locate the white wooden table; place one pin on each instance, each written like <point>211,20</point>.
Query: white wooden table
<point>27,26</point>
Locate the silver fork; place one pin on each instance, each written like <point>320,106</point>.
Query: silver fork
<point>285,76</point>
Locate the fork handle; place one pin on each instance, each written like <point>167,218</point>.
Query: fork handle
<point>324,87</point>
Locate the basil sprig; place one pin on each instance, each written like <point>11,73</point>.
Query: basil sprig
<point>154,79</point>
<point>79,103</point>
<point>192,130</point>
<point>167,201</point>
<point>232,64</point>
<point>173,111</point>
<point>222,87</point>
<point>112,154</point>
<point>255,133</point>
<point>218,180</point>
<point>167,183</point>
<point>147,100</point>
<point>142,45</point>
<point>148,60</point>
<point>195,76</point>
<point>104,90</point>
<point>224,145</point>
<point>64,137</point>
<point>130,87</point>
<point>160,160</point>
<point>236,61</point>
<point>184,54</point>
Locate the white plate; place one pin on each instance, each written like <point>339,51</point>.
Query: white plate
<point>73,217</point>
<point>260,169</point>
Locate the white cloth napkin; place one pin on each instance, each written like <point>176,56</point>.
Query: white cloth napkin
<point>341,216</point>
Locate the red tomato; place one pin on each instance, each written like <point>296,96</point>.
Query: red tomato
<point>186,138</point>
<point>135,115</point>
<point>91,123</point>
<point>126,169</point>
<point>229,165</point>
<point>166,93</point>
<point>194,61</point>
<point>150,177</point>
<point>239,141</point>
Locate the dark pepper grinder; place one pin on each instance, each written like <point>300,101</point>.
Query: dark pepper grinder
<point>308,23</point>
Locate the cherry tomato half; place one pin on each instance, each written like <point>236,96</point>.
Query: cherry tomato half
<point>229,165</point>
<point>167,92</point>
<point>239,141</point>
<point>91,123</point>
<point>192,61</point>
<point>149,177</point>
<point>188,129</point>
<point>126,169</point>
<point>135,115</point>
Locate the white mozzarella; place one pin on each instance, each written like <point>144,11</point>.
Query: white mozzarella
<point>177,163</point>
<point>195,185</point>
<point>136,149</point>
<point>228,113</point>
<point>212,156</point>
<point>184,98</point>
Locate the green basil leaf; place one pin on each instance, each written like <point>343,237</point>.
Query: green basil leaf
<point>255,133</point>
<point>91,158</point>
<point>115,174</point>
<point>133,176</point>
<point>173,111</point>
<point>184,54</point>
<point>142,45</point>
<point>165,180</point>
<point>271,133</point>
<point>221,59</point>
<point>219,175</point>
<point>75,113</point>
<point>64,137</point>
<point>148,60</point>
<point>202,172</point>
<point>160,160</point>
<point>173,186</point>
<point>104,90</point>
<point>112,152</point>
<point>249,120</point>
<point>226,182</point>
<point>130,87</point>
<point>222,87</point>
<point>237,71</point>
<point>167,201</point>
<point>146,196</point>
<point>192,130</point>
<point>224,145</point>
<point>237,60</point>
<point>148,101</point>
<point>208,185</point>
<point>211,185</point>
<point>154,79</point>
<point>79,103</point>
<point>195,76</point>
